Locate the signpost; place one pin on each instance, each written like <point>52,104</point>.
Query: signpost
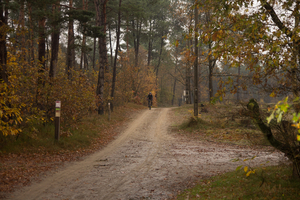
<point>186,96</point>
<point>57,119</point>
<point>109,112</point>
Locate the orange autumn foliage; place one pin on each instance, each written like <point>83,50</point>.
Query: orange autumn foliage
<point>135,82</point>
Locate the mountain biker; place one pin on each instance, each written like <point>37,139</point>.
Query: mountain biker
<point>150,98</point>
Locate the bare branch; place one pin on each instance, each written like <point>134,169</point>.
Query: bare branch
<point>275,18</point>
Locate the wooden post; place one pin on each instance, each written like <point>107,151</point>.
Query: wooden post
<point>57,119</point>
<point>109,112</point>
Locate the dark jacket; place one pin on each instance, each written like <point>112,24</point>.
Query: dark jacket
<point>150,97</point>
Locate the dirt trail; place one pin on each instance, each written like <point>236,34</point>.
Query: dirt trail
<point>144,162</point>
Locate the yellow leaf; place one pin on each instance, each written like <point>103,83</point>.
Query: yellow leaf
<point>245,168</point>
<point>248,174</point>
<point>272,94</point>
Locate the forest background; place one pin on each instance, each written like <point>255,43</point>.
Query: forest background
<point>88,53</point>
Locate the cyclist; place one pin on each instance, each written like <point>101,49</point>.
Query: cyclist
<point>150,98</point>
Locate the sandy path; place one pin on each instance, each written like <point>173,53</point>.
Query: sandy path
<point>144,162</point>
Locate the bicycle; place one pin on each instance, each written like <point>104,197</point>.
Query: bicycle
<point>149,104</point>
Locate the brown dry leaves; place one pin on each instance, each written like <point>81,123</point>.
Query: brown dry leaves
<point>17,170</point>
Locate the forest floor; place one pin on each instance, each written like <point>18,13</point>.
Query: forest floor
<point>149,159</point>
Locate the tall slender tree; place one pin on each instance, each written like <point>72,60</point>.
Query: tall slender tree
<point>31,57</point>
<point>71,42</point>
<point>3,32</point>
<point>55,38</point>
<point>196,64</point>
<point>100,6</point>
<point>83,60</point>
<point>116,56</point>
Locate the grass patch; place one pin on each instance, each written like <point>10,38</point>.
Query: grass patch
<point>222,123</point>
<point>267,183</point>
<point>192,124</point>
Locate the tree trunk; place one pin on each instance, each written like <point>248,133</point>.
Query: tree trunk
<point>136,39</point>
<point>116,55</point>
<point>100,6</point>
<point>70,47</point>
<point>196,65</point>
<point>187,79</point>
<point>3,51</point>
<point>86,62</point>
<point>186,84</point>
<point>199,75</point>
<point>41,46</point>
<point>127,38</point>
<point>41,62</point>
<point>83,45</point>
<point>94,52</point>
<point>174,90</point>
<point>31,35</point>
<point>296,169</point>
<point>47,54</point>
<point>54,41</point>
<point>210,74</point>
<point>103,49</point>
<point>150,44</point>
<point>110,46</point>
<point>21,30</point>
<point>174,85</point>
<point>286,147</point>
<point>238,83</point>
<point>159,58</point>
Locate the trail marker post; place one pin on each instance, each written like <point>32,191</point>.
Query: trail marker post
<point>57,119</point>
<point>109,112</point>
